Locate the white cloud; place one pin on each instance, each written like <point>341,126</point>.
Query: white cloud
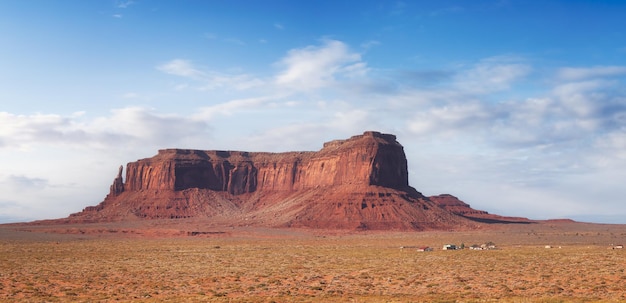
<point>230,107</point>
<point>135,126</point>
<point>237,82</point>
<point>597,105</point>
<point>304,69</point>
<point>181,67</point>
<point>52,158</point>
<point>574,89</point>
<point>208,80</point>
<point>315,67</point>
<point>24,131</point>
<point>451,119</point>
<point>491,75</point>
<point>310,133</point>
<point>569,113</point>
<point>124,128</point>
<point>613,146</point>
<point>549,147</point>
<point>582,73</point>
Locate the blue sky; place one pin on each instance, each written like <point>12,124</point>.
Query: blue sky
<point>516,107</point>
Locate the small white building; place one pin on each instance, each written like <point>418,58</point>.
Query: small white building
<point>449,247</point>
<point>476,247</point>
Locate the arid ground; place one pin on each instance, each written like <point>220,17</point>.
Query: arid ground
<point>161,262</point>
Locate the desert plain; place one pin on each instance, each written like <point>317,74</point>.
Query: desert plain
<point>154,261</point>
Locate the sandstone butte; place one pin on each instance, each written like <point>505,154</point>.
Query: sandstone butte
<point>358,183</point>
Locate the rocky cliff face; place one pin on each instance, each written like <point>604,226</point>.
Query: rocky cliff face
<point>118,184</point>
<point>369,159</point>
<point>360,182</point>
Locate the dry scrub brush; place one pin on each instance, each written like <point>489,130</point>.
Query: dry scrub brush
<point>330,269</point>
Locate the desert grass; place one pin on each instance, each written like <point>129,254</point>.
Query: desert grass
<point>348,268</point>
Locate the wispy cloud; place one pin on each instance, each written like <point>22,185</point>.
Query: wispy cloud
<point>454,118</point>
<point>491,74</point>
<point>541,143</point>
<point>583,104</point>
<point>22,182</point>
<point>302,69</point>
<point>581,73</point>
<point>126,127</point>
<point>208,80</point>
<point>278,26</point>
<point>310,133</point>
<point>124,4</point>
<point>314,67</point>
<point>568,114</point>
<point>181,67</point>
<point>21,131</point>
<point>232,106</point>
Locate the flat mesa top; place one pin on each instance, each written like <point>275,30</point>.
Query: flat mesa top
<point>328,147</point>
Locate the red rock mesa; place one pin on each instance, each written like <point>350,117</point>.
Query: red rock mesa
<point>358,183</point>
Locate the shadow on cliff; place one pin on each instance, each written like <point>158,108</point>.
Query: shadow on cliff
<point>497,221</point>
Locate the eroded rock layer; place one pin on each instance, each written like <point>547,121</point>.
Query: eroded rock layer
<point>368,159</point>
<point>358,183</point>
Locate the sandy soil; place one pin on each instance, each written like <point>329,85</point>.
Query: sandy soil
<point>166,261</point>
